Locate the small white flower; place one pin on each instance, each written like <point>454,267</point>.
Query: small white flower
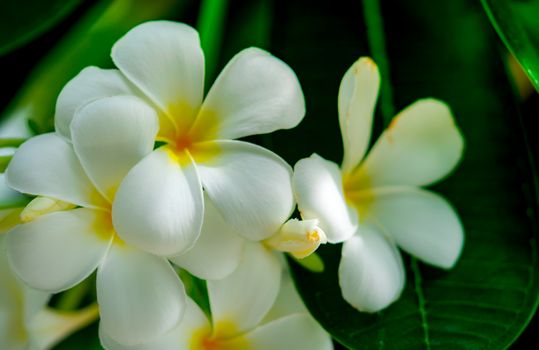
<point>220,247</point>
<point>374,204</point>
<point>26,323</point>
<point>298,237</point>
<point>159,206</point>
<point>248,312</point>
<point>140,296</point>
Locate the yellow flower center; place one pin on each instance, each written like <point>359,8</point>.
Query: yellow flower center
<point>358,193</point>
<point>297,237</point>
<point>224,337</point>
<point>191,134</point>
<point>104,229</point>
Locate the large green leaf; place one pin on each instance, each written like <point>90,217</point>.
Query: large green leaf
<point>516,22</point>
<point>23,20</point>
<point>443,49</point>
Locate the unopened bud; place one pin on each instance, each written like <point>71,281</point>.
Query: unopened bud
<point>298,237</point>
<point>41,206</point>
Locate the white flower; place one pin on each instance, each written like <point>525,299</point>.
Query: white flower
<point>140,296</point>
<point>220,247</point>
<point>26,323</point>
<point>248,312</point>
<point>374,204</point>
<point>159,206</point>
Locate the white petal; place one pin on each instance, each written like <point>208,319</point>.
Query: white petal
<point>218,250</point>
<point>140,296</point>
<point>371,274</point>
<point>421,146</point>
<point>90,84</point>
<point>164,59</point>
<point>421,222</point>
<point>110,136</point>
<point>244,297</point>
<point>58,250</point>
<point>159,206</point>
<point>46,165</point>
<point>318,189</point>
<point>34,301</point>
<point>297,331</point>
<point>250,186</point>
<point>9,198</point>
<point>49,326</point>
<point>288,300</point>
<point>357,99</point>
<point>256,93</point>
<point>193,324</point>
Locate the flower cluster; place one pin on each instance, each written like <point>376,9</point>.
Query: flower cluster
<point>144,176</point>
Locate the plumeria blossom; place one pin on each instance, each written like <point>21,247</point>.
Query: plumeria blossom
<point>374,203</point>
<point>219,250</point>
<point>248,312</point>
<point>26,323</point>
<point>159,206</point>
<point>69,230</point>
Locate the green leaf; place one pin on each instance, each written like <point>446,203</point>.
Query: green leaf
<point>23,20</point>
<point>446,50</point>
<point>211,23</point>
<point>89,43</point>
<point>517,24</point>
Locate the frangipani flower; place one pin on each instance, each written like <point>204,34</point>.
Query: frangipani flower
<point>26,323</point>
<point>140,296</point>
<point>159,206</point>
<point>248,312</point>
<point>373,203</point>
<point>219,249</point>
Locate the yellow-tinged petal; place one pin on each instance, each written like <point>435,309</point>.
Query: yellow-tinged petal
<point>56,251</point>
<point>256,93</point>
<point>186,336</point>
<point>298,237</point>
<point>46,165</point>
<point>110,136</point>
<point>421,146</point>
<point>294,331</point>
<point>165,61</point>
<point>41,206</point>
<point>9,218</point>
<point>357,100</point>
<point>159,206</point>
